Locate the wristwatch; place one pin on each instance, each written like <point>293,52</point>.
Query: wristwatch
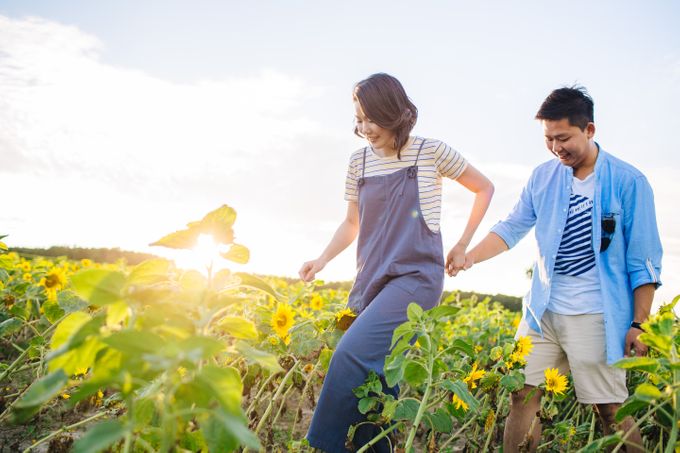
<point>637,325</point>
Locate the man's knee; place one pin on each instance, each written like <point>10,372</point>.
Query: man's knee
<point>607,413</point>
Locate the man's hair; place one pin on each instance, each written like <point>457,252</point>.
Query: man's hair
<point>384,101</point>
<point>573,103</point>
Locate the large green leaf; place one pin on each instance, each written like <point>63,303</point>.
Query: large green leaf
<point>99,437</point>
<point>512,382</point>
<point>38,394</point>
<point>225,384</point>
<point>135,342</point>
<point>264,359</point>
<point>149,272</point>
<point>647,392</point>
<point>251,281</point>
<point>443,311</point>
<point>199,347</point>
<point>414,312</point>
<point>630,407</point>
<point>638,363</point>
<point>394,369</point>
<point>99,286</point>
<point>238,327</point>
<point>407,409</point>
<point>79,359</point>
<point>218,224</point>
<point>237,253</point>
<point>439,421</point>
<point>461,390</point>
<point>403,330</point>
<point>52,311</point>
<point>224,432</point>
<point>414,373</point>
<point>9,326</point>
<point>182,239</point>
<point>70,302</point>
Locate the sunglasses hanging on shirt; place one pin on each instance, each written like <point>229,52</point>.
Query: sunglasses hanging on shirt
<point>608,228</point>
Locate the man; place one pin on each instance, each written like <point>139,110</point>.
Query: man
<point>598,267</point>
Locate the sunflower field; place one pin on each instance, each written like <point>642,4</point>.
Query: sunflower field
<point>157,358</point>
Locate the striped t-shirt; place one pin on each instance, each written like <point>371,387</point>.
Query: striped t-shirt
<point>437,159</point>
<point>575,288</point>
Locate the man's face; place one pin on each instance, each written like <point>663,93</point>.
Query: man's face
<point>568,143</point>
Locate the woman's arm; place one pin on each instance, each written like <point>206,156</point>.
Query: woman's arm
<point>343,237</point>
<point>483,189</point>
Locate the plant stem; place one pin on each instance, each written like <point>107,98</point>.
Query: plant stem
<point>283,403</point>
<point>65,428</point>
<point>635,426</point>
<point>382,434</point>
<point>267,411</point>
<point>421,408</point>
<point>264,386</point>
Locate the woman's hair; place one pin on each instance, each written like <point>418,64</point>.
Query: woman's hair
<point>573,103</point>
<point>384,101</point>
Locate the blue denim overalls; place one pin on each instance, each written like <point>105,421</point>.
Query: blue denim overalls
<point>399,260</point>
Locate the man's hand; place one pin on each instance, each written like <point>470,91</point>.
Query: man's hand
<point>634,347</point>
<point>310,268</point>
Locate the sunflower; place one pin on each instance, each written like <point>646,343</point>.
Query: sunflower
<point>490,420</point>
<point>282,320</point>
<point>459,403</point>
<point>53,282</point>
<point>474,375</point>
<point>523,346</point>
<point>316,302</point>
<point>554,381</point>
<point>344,318</point>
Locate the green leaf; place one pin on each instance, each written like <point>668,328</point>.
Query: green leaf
<point>439,421</point>
<point>647,392</point>
<point>407,409</point>
<point>199,347</point>
<point>638,363</point>
<point>462,346</point>
<point>52,311</point>
<point>218,224</point>
<point>38,394</point>
<point>443,311</point>
<point>9,326</point>
<point>512,382</point>
<point>70,302</point>
<point>251,281</point>
<point>79,359</point>
<point>225,384</point>
<point>461,390</point>
<point>224,432</point>
<point>99,437</point>
<point>98,286</point>
<point>135,342</point>
<point>149,272</point>
<point>238,327</point>
<point>264,359</point>
<point>403,330</point>
<point>630,407</point>
<point>414,373</point>
<point>661,343</point>
<point>367,404</point>
<point>394,369</point>
<point>182,239</point>
<point>414,312</point>
<point>117,313</point>
<point>237,253</point>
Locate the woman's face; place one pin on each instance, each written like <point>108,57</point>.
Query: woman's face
<point>379,138</point>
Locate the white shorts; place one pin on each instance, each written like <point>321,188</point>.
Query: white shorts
<point>575,343</point>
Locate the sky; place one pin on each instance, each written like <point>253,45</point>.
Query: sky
<point>122,121</point>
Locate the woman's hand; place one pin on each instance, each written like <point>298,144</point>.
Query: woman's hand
<point>455,260</point>
<point>310,268</point>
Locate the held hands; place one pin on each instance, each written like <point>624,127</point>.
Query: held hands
<point>457,260</point>
<point>634,347</point>
<point>310,268</point>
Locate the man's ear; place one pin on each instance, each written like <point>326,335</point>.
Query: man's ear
<point>590,130</point>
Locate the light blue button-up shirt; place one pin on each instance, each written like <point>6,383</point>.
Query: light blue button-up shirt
<point>632,259</point>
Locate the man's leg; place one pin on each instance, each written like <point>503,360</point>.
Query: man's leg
<point>607,415</point>
<point>523,427</point>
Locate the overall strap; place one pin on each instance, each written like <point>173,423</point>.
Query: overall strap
<point>361,181</point>
<point>413,170</point>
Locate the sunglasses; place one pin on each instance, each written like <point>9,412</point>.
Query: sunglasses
<point>608,228</point>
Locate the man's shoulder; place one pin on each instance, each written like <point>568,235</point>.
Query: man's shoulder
<point>620,168</point>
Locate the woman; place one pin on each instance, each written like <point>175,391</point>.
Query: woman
<point>393,190</point>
